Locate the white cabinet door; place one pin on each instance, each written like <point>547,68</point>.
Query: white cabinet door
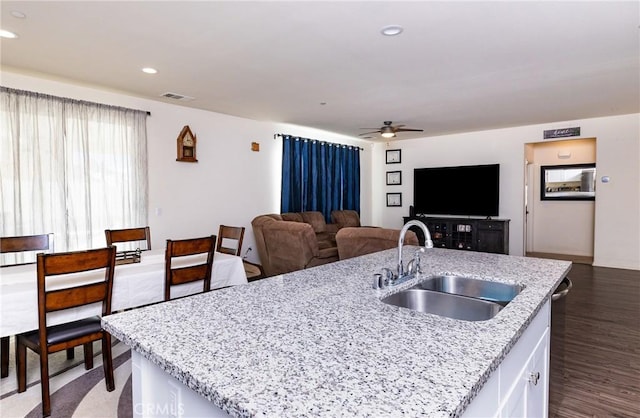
<point>538,382</point>
<point>529,396</point>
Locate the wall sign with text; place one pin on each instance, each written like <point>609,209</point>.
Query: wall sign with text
<point>561,133</point>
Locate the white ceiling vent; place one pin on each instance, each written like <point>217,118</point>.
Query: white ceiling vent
<point>176,96</point>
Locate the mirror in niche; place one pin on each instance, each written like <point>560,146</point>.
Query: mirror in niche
<point>568,182</point>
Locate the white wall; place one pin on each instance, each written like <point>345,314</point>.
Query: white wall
<point>229,185</point>
<point>617,207</point>
<point>562,227</point>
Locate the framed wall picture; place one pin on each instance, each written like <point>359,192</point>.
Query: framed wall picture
<point>394,178</point>
<point>394,199</point>
<point>393,156</point>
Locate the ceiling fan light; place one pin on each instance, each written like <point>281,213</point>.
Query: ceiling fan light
<point>388,134</point>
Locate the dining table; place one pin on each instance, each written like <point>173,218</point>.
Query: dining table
<point>134,284</point>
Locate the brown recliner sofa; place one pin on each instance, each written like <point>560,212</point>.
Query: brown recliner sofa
<point>354,242</point>
<point>294,241</point>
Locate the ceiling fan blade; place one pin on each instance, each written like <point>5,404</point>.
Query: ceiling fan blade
<point>409,130</point>
<point>369,133</point>
<point>397,126</point>
<point>378,129</point>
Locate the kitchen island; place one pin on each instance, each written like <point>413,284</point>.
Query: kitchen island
<point>319,342</point>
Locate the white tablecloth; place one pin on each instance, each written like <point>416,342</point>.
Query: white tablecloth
<point>134,285</point>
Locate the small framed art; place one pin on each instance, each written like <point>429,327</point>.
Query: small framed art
<point>394,199</point>
<point>393,156</point>
<point>394,178</point>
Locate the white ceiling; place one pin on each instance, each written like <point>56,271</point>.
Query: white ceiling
<point>457,67</point>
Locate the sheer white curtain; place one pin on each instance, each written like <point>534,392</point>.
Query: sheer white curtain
<point>70,167</point>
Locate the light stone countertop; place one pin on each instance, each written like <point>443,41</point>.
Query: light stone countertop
<point>319,342</point>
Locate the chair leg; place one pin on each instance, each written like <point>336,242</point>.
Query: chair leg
<point>44,382</point>
<point>71,353</point>
<point>107,362</point>
<point>21,365</point>
<point>88,356</point>
<point>4,352</point>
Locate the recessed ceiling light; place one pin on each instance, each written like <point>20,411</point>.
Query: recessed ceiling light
<point>7,34</point>
<point>149,70</point>
<point>391,30</point>
<point>18,14</point>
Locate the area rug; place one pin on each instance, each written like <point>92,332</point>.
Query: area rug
<point>75,392</point>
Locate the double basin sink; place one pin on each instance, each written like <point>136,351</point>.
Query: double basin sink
<point>456,297</point>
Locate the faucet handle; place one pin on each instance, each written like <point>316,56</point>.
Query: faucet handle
<point>414,265</point>
<point>380,281</point>
<point>389,277</point>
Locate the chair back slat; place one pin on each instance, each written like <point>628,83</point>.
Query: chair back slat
<point>73,297</point>
<point>193,272</point>
<point>21,245</point>
<point>227,234</point>
<point>190,247</point>
<point>74,262</point>
<point>188,274</point>
<point>24,243</point>
<point>128,235</point>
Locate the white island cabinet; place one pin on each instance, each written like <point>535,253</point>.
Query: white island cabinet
<point>321,343</point>
<point>519,387</point>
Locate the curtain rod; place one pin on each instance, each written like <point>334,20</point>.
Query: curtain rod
<point>275,136</point>
<point>33,93</point>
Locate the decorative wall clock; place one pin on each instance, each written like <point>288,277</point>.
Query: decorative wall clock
<point>186,146</point>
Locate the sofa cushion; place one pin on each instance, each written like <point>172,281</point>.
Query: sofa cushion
<point>345,218</point>
<point>292,216</point>
<point>326,239</point>
<point>316,220</point>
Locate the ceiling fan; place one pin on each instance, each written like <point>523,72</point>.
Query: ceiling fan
<point>389,131</point>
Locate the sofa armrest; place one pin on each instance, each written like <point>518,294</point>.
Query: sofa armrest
<point>290,246</point>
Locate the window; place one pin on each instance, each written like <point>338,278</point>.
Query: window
<point>70,167</point>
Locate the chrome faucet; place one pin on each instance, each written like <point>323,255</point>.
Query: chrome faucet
<point>414,265</point>
<point>387,277</point>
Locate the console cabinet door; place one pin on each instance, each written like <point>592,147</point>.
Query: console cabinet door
<point>493,237</point>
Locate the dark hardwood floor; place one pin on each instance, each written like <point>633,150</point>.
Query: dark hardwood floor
<point>595,352</point>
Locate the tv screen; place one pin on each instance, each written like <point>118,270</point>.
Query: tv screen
<point>466,190</point>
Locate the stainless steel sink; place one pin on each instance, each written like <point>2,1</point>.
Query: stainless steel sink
<point>501,293</point>
<point>444,304</point>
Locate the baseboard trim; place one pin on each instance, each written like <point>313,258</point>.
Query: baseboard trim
<point>579,259</point>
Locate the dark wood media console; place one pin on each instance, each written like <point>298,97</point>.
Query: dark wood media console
<point>484,235</point>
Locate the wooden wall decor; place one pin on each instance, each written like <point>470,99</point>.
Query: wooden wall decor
<point>186,146</point>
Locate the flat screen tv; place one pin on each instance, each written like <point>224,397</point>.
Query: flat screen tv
<point>472,190</point>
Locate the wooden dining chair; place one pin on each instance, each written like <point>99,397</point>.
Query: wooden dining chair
<point>49,339</point>
<point>230,242</point>
<point>230,239</point>
<point>179,272</point>
<point>142,234</point>
<point>20,244</point>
